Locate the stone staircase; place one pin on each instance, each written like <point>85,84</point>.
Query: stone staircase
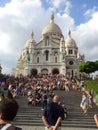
<point>76,118</point>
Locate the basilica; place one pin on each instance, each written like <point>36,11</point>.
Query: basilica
<point>51,55</point>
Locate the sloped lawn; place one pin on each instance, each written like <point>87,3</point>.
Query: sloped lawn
<point>92,84</point>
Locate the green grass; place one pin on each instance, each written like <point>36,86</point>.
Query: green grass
<point>92,84</point>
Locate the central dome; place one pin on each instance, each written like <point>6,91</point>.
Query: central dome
<point>52,27</point>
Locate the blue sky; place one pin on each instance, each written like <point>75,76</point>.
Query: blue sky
<point>80,7</point>
<point>18,18</point>
<point>77,9</point>
<point>4,2</point>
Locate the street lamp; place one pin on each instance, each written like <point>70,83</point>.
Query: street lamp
<point>0,69</point>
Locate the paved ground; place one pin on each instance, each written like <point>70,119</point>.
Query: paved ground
<point>62,128</point>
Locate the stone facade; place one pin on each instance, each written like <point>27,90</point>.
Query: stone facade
<point>51,55</point>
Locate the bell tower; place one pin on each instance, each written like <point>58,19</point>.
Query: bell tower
<point>62,56</point>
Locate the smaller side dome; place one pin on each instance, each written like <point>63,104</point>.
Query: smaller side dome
<point>69,42</point>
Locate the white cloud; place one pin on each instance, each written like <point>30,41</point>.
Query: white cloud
<point>3,39</point>
<point>16,22</point>
<point>20,17</point>
<point>84,5</point>
<point>90,12</point>
<point>86,37</point>
<point>63,6</point>
<point>56,3</point>
<point>68,7</point>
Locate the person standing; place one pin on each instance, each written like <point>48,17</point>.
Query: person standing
<point>9,94</point>
<point>96,119</point>
<point>53,115</point>
<point>44,100</point>
<point>85,103</point>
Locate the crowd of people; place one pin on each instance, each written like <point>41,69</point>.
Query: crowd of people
<point>36,87</point>
<point>40,90</point>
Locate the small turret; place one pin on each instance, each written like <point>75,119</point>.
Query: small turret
<point>62,44</point>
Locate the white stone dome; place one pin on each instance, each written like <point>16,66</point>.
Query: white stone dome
<point>52,27</point>
<point>69,42</point>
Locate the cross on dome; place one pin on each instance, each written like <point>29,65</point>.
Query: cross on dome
<point>52,18</point>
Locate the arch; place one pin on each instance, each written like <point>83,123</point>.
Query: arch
<point>34,72</point>
<point>44,71</point>
<point>55,71</point>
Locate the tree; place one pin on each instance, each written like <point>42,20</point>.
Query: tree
<point>88,67</point>
<point>96,65</point>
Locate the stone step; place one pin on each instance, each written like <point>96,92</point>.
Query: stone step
<point>66,124</point>
<point>30,115</point>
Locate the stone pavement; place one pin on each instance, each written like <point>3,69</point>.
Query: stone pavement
<point>29,118</point>
<point>62,128</point>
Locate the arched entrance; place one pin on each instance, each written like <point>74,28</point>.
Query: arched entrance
<point>55,71</point>
<point>34,72</point>
<point>44,71</point>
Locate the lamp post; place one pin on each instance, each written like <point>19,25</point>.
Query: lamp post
<point>0,69</point>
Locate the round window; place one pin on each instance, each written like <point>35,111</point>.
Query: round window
<point>71,62</point>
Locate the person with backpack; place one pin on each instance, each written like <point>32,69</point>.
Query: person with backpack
<point>85,103</point>
<point>8,111</point>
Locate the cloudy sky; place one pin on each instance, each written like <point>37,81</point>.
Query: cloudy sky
<point>18,18</point>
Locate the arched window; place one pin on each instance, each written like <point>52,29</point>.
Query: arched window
<point>47,41</point>
<point>37,56</point>
<point>70,51</point>
<point>47,55</point>
<point>76,52</point>
<point>55,59</point>
<point>37,59</point>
